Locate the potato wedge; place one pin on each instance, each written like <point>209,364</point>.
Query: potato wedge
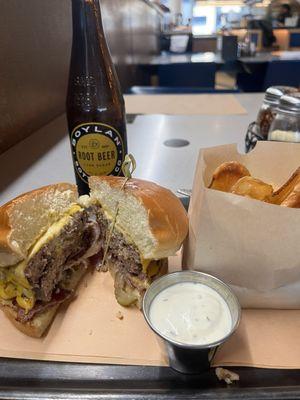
<point>227,174</point>
<point>254,188</point>
<point>281,194</point>
<point>293,199</point>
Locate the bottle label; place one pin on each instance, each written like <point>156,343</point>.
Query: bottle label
<point>97,149</point>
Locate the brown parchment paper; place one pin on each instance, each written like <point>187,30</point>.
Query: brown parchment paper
<point>264,339</point>
<point>191,104</point>
<point>251,245</point>
<point>89,330</point>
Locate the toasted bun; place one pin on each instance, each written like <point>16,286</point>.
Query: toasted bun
<point>149,215</point>
<point>37,326</point>
<point>41,322</point>
<point>227,174</point>
<point>25,218</point>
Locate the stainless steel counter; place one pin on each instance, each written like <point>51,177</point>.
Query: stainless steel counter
<point>45,156</point>
<point>209,56</point>
<point>265,57</point>
<point>186,58</point>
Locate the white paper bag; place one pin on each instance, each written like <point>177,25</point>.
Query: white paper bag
<point>251,245</point>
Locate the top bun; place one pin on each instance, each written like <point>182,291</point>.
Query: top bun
<point>24,219</point>
<point>149,215</point>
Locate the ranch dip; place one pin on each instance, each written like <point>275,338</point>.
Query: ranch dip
<point>191,313</point>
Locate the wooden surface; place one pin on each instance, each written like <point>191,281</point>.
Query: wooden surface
<point>188,104</point>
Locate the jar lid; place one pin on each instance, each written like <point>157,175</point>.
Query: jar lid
<point>273,93</point>
<point>290,103</point>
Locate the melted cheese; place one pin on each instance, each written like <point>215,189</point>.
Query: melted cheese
<point>145,263</point>
<point>150,267</point>
<point>54,230</point>
<point>153,268</point>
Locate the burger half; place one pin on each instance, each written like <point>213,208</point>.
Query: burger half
<point>46,238</point>
<point>149,225</point>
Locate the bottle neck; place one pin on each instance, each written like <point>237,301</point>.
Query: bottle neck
<point>87,25</point>
<point>92,70</point>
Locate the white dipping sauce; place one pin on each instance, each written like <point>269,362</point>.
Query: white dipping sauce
<point>191,313</point>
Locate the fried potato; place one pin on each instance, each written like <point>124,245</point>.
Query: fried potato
<point>283,193</point>
<point>293,199</point>
<point>227,174</point>
<point>233,177</point>
<point>254,188</point>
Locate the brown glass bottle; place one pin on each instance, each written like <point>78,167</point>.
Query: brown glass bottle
<point>95,105</point>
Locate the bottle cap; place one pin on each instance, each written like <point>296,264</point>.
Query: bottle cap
<point>274,93</point>
<point>290,103</point>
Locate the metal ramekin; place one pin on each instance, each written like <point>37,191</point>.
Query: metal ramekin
<point>190,358</point>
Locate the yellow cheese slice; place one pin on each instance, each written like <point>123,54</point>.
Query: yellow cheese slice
<point>54,230</point>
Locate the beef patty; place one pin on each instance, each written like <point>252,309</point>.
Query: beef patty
<point>46,268</point>
<point>124,255</point>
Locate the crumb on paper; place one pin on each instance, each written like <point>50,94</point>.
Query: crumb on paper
<point>91,332</point>
<point>119,315</point>
<point>226,375</point>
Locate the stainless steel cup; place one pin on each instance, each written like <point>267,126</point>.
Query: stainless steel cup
<point>189,358</point>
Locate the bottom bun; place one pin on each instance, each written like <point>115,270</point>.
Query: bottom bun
<point>35,327</point>
<point>132,294</point>
<point>39,324</point>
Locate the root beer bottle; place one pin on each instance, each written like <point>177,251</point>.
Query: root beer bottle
<point>95,105</point>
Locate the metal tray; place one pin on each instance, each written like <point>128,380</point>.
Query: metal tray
<point>22,379</point>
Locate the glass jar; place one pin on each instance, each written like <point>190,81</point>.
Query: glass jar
<point>268,110</point>
<point>286,125</point>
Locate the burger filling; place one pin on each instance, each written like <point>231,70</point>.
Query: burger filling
<point>132,274</point>
<point>77,239</point>
<point>42,280</point>
<point>48,266</point>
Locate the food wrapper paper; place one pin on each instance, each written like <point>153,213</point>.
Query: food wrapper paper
<point>90,330</point>
<point>93,328</point>
<point>251,245</point>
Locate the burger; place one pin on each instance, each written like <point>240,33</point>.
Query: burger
<point>49,237</point>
